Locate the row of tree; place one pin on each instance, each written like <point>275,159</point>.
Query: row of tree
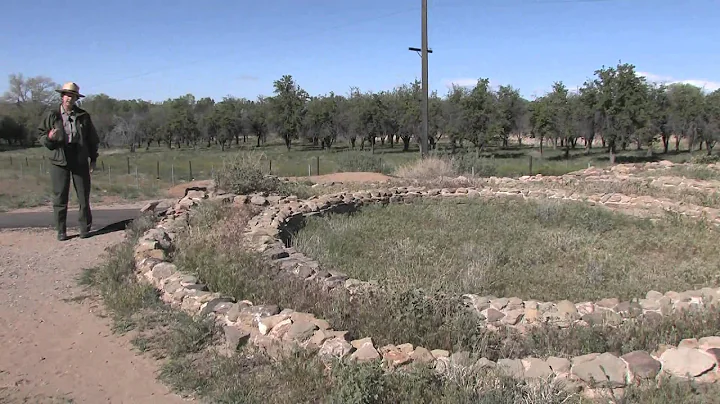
<point>617,106</point>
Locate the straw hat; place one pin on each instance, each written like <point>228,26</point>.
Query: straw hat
<point>70,88</point>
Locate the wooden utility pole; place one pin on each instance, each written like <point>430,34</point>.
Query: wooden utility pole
<point>424,55</point>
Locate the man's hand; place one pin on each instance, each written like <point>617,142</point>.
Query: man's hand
<point>51,134</point>
<point>92,166</point>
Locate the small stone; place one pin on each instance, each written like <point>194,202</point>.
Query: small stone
<point>421,355</point>
<point>365,353</point>
<point>536,368</point>
<point>681,362</point>
<point>513,317</point>
<point>511,367</point>
<point>300,331</point>
<point>653,295</point>
<point>268,323</point>
<point>604,370</point>
<point>493,315</point>
<point>163,270</point>
<point>559,365</point>
<point>440,353</point>
<point>688,343</point>
<point>234,337</point>
<point>278,332</point>
<point>358,343</point>
<point>642,365</point>
<point>335,347</point>
<point>406,348</point>
<point>499,304</point>
<point>258,200</point>
<point>396,358</point>
<point>709,342</point>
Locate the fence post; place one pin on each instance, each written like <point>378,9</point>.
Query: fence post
<point>27,163</point>
<point>137,178</point>
<point>102,163</point>
<point>190,178</point>
<point>270,161</point>
<point>172,174</point>
<point>158,169</point>
<point>128,165</point>
<point>531,159</point>
<point>317,165</point>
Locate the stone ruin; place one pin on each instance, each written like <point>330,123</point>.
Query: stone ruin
<point>275,330</point>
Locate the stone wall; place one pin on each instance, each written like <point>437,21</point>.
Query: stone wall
<point>276,329</point>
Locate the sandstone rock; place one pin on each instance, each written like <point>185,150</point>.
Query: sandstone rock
<point>709,342</point>
<point>511,367</point>
<point>219,305</point>
<point>163,270</point>
<point>406,348</point>
<point>681,362</point>
<point>366,352</point>
<point>396,358</point>
<point>421,355</point>
<point>493,315</point>
<point>300,331</point>
<point>258,200</point>
<point>513,317</point>
<point>358,343</point>
<point>268,323</point>
<point>653,295</point>
<point>688,343</point>
<point>559,365</point>
<point>536,368</point>
<point>335,347</point>
<point>235,337</point>
<point>484,363</point>
<point>280,329</point>
<point>604,370</point>
<point>440,353</point>
<point>642,365</point>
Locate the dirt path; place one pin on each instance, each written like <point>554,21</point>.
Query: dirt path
<point>55,346</point>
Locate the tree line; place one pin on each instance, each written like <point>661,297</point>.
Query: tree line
<point>616,106</point>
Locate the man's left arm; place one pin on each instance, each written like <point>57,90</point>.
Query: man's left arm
<point>93,140</point>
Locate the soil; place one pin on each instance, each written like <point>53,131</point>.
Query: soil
<point>56,344</point>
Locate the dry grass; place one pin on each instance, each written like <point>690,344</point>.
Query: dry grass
<point>428,168</point>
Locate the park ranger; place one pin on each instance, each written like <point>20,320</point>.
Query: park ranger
<point>72,142</point>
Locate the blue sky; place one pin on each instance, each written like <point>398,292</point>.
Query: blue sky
<point>154,51</point>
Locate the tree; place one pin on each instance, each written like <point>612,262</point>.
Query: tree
<point>288,106</point>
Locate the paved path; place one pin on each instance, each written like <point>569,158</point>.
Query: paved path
<point>101,218</point>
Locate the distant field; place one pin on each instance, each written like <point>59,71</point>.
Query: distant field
<point>149,173</point>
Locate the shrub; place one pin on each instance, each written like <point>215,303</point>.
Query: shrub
<point>428,168</point>
<point>242,174</point>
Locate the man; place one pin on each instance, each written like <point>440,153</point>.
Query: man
<point>70,137</point>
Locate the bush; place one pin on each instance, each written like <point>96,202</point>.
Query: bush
<point>429,168</point>
<point>241,174</point>
<point>705,159</point>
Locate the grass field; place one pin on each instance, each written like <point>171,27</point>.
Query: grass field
<point>145,174</point>
<point>535,250</point>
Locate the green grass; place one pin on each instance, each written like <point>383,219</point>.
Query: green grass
<point>539,250</point>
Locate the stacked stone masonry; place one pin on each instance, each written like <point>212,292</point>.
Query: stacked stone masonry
<point>274,329</point>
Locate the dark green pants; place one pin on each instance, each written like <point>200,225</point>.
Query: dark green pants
<point>60,177</point>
